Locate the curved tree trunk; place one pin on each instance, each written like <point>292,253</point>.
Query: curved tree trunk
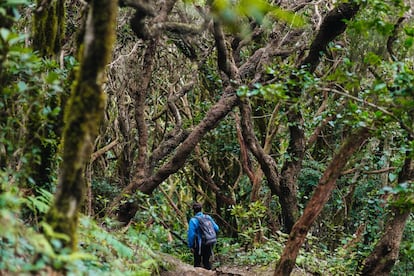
<point>146,179</point>
<point>283,183</point>
<point>316,203</point>
<point>84,113</point>
<point>333,25</point>
<point>382,259</point>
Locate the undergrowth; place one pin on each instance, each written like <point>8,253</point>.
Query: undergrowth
<point>104,248</point>
<point>26,251</point>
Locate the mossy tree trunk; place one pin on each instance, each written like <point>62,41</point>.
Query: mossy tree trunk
<point>83,116</point>
<point>49,26</point>
<point>47,38</point>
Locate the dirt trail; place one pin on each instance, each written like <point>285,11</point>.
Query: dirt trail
<point>178,268</point>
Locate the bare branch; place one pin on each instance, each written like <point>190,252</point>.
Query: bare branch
<point>101,151</point>
<point>224,59</point>
<point>266,162</point>
<point>384,170</point>
<point>380,108</point>
<point>141,5</point>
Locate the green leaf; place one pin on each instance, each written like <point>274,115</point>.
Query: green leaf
<point>242,91</point>
<point>52,77</point>
<point>380,86</point>
<point>4,33</point>
<point>76,256</point>
<point>408,42</point>
<point>256,9</point>
<point>288,16</point>
<point>372,59</point>
<point>409,31</point>
<point>392,176</point>
<point>41,244</point>
<point>21,86</point>
<point>17,2</point>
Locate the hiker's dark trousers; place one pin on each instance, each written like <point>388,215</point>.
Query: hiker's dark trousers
<point>206,251</point>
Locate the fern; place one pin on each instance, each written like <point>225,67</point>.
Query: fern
<point>39,204</point>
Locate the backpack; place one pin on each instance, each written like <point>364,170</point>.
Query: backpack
<point>208,234</point>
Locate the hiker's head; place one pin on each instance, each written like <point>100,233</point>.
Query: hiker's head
<point>197,207</point>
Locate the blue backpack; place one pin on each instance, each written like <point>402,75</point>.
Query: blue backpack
<point>208,234</point>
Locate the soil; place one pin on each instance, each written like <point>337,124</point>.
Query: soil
<point>178,268</point>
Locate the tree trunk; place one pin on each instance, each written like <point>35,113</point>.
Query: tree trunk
<point>385,254</point>
<point>291,169</point>
<point>84,113</point>
<point>145,179</point>
<point>48,34</point>
<point>381,261</point>
<point>49,27</point>
<point>332,26</point>
<point>316,203</point>
<point>284,184</point>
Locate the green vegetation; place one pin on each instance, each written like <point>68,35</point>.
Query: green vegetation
<point>136,250</point>
<point>104,148</point>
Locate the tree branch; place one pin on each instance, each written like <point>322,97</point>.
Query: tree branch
<point>266,162</point>
<point>316,203</point>
<point>212,118</point>
<point>333,24</point>
<point>380,108</point>
<point>224,59</point>
<point>102,150</point>
<point>393,37</point>
<point>384,170</point>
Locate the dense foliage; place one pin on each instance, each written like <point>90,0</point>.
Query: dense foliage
<point>165,140</point>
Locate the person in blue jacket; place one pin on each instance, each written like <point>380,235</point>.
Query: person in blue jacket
<point>204,253</point>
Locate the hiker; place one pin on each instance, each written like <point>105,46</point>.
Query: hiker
<point>199,241</point>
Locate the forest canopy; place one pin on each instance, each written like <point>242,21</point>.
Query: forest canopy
<point>292,122</point>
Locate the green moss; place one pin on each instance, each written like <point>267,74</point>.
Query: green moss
<point>49,26</point>
<point>61,223</point>
<point>85,112</point>
<point>83,115</point>
<point>97,51</point>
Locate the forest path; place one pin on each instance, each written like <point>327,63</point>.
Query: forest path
<point>179,268</point>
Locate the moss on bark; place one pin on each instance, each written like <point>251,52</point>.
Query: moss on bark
<point>83,116</point>
<point>49,26</point>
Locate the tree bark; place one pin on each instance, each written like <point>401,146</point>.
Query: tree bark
<point>291,169</point>
<point>145,179</point>
<point>382,259</point>
<point>332,26</point>
<point>315,205</point>
<point>283,183</point>
<point>213,117</point>
<point>84,114</point>
<point>49,27</point>
<point>47,39</point>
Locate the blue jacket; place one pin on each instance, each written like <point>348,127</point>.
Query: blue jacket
<point>194,230</point>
